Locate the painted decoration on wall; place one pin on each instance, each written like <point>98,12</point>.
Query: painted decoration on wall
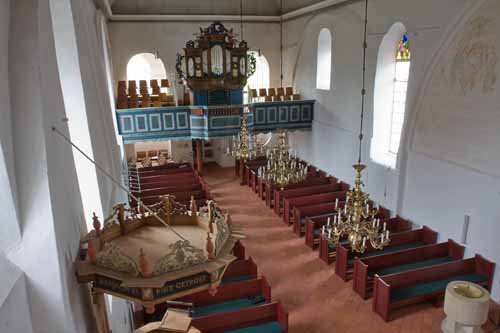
<point>474,60</point>
<point>458,111</point>
<point>403,52</point>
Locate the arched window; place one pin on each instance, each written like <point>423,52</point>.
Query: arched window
<point>391,83</point>
<point>145,66</point>
<point>259,79</point>
<point>324,60</point>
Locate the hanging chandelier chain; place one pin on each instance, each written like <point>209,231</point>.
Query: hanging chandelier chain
<point>363,89</point>
<point>241,19</point>
<point>281,43</point>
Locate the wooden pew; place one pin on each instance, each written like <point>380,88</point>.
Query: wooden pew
<point>397,290</point>
<point>301,214</point>
<point>230,297</point>
<point>169,177</point>
<point>253,165</point>
<point>281,196</point>
<point>344,262</point>
<point>162,167</point>
<point>327,250</point>
<point>313,180</point>
<point>397,262</point>
<point>314,199</point>
<point>169,183</point>
<point>161,171</point>
<point>268,318</point>
<point>240,270</point>
<point>168,189</point>
<point>239,250</point>
<point>262,189</point>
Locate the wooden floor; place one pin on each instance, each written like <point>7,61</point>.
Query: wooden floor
<point>317,300</point>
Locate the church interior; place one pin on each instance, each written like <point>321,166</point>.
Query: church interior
<point>249,166</point>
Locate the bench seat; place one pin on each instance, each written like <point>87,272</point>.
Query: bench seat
<point>236,279</point>
<point>412,266</point>
<point>272,327</point>
<point>384,251</point>
<point>433,287</point>
<point>233,305</point>
<point>303,220</point>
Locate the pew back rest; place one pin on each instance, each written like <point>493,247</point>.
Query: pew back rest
<point>316,198</point>
<point>308,190</point>
<point>231,291</point>
<point>477,265</point>
<point>445,249</point>
<point>243,318</point>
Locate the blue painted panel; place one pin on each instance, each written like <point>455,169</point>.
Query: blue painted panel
<point>272,114</point>
<point>200,97</point>
<point>127,124</point>
<point>168,121</point>
<point>177,123</point>
<point>225,122</point>
<point>182,120</point>
<point>141,124</point>
<point>155,122</point>
<point>283,114</point>
<point>198,122</point>
<point>306,113</point>
<point>236,97</point>
<point>260,115</point>
<point>295,113</point>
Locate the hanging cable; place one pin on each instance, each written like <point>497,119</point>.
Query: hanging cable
<point>241,19</point>
<point>363,90</point>
<point>117,183</point>
<point>281,43</point>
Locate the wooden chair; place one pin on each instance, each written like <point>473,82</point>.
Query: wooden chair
<point>133,101</point>
<point>296,97</point>
<point>140,155</point>
<point>253,94</point>
<point>156,101</point>
<point>271,92</point>
<point>268,99</point>
<point>262,92</point>
<point>287,98</point>
<point>289,91</point>
<point>165,83</point>
<point>145,101</point>
<point>152,153</point>
<point>281,92</point>
<point>132,88</point>
<point>276,98</point>
<point>153,83</point>
<point>122,84</point>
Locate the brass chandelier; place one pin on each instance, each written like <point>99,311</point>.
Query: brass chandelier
<point>282,168</point>
<point>357,221</point>
<point>243,146</point>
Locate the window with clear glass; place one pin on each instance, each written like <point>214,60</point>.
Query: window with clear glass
<point>324,60</point>
<point>403,59</point>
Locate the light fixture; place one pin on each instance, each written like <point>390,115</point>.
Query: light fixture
<point>357,221</point>
<point>282,168</point>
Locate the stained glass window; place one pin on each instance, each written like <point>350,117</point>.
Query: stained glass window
<point>401,75</point>
<point>403,52</point>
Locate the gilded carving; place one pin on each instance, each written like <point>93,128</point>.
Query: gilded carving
<point>113,258</point>
<point>182,255</point>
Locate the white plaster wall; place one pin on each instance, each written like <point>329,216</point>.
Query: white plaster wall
<point>219,148</point>
<point>169,38</point>
<point>13,299</point>
<point>427,190</point>
<point>42,293</point>
<point>99,107</point>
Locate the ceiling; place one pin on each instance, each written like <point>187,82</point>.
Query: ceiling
<point>206,7</point>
